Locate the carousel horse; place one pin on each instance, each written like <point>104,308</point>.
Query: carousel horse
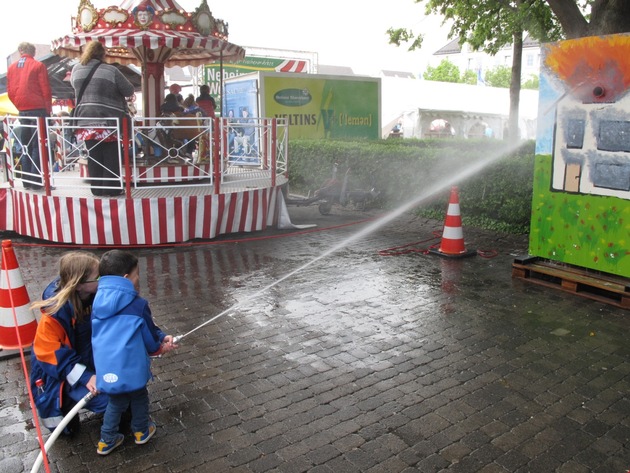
<point>174,133</point>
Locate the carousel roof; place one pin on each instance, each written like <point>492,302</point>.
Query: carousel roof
<point>159,31</point>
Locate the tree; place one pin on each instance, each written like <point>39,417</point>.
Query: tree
<point>446,71</point>
<point>532,83</point>
<point>500,76</point>
<point>489,25</point>
<point>469,77</point>
<point>606,17</point>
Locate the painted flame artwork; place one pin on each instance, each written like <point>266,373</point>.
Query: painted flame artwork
<point>597,68</point>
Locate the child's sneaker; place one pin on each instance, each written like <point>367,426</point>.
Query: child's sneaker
<point>105,448</point>
<point>144,437</point>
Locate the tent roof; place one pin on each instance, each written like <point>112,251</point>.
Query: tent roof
<point>58,69</point>
<point>399,95</point>
<point>6,106</point>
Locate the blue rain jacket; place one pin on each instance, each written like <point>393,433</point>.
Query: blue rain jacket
<point>123,336</point>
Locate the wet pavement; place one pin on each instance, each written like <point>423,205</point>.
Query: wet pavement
<point>356,362</point>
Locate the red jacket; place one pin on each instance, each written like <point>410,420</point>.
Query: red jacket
<point>28,86</point>
<point>207,105</point>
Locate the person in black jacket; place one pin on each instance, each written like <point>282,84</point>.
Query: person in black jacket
<point>171,105</point>
<point>103,99</point>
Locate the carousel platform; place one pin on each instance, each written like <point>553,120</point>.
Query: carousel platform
<point>163,201</point>
<point>247,200</point>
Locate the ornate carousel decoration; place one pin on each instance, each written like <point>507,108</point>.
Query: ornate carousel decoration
<point>153,34</point>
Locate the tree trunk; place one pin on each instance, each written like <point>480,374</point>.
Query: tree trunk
<point>515,88</point>
<point>607,17</point>
<point>570,17</point>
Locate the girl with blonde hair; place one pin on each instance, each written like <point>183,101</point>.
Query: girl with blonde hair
<point>62,369</point>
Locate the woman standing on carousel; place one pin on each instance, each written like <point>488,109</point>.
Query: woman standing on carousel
<point>101,91</point>
<point>62,369</point>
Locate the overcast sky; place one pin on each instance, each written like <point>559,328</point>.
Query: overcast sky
<point>341,32</point>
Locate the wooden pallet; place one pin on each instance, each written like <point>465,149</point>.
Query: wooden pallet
<point>591,284</point>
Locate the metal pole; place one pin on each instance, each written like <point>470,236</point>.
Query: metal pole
<point>221,81</point>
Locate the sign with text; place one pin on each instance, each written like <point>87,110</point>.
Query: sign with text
<point>323,106</point>
<point>212,72</point>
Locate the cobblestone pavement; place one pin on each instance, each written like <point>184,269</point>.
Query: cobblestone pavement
<point>356,362</point>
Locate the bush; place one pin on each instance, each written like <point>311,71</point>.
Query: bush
<point>495,183</point>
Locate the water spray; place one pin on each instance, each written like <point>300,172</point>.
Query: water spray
<point>466,173</point>
<point>366,231</point>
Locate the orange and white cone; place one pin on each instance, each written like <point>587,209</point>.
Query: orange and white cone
<point>452,244</point>
<point>17,321</point>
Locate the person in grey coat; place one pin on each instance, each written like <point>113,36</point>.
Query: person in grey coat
<point>103,99</point>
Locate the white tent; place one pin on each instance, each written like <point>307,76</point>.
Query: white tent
<point>417,103</point>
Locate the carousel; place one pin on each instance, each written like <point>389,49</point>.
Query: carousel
<point>179,177</point>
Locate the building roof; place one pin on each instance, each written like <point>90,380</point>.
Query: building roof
<point>335,70</point>
<point>529,42</point>
<point>453,46</point>
<point>403,74</point>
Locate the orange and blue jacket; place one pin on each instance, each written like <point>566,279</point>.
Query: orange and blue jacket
<point>62,358</point>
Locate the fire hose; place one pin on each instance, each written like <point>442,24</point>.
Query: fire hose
<point>62,425</point>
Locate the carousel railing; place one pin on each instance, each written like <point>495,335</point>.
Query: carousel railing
<point>70,159</point>
<point>175,142</point>
<point>21,144</point>
<point>155,152</point>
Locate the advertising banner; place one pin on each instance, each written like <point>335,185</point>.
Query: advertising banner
<point>323,106</point>
<point>212,72</point>
<point>240,103</point>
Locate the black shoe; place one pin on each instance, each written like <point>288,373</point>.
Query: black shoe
<point>74,425</point>
<point>73,428</point>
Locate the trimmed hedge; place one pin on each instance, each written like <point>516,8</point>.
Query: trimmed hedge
<point>495,183</point>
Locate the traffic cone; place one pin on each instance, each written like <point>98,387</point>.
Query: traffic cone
<point>284,219</point>
<point>452,245</point>
<point>17,321</point>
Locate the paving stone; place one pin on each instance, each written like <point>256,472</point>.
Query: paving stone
<point>357,363</point>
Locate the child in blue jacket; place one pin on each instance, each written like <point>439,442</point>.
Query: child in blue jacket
<point>124,337</point>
